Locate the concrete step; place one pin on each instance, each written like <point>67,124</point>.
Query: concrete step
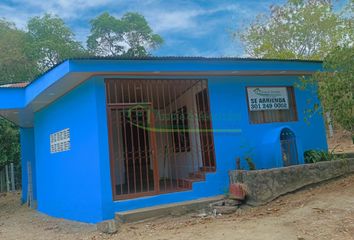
<point>207,169</point>
<point>198,174</point>
<point>187,183</point>
<point>175,209</point>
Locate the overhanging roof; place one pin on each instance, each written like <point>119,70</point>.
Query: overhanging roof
<point>19,102</point>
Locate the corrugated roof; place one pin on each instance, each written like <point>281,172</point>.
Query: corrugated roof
<point>15,85</point>
<point>190,58</point>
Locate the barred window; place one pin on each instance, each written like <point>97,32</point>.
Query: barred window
<point>181,130</point>
<point>271,110</point>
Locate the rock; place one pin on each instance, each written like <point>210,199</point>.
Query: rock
<point>201,215</point>
<point>218,203</point>
<point>232,202</point>
<point>239,211</point>
<point>237,191</point>
<point>225,209</point>
<point>179,212</point>
<point>109,226</point>
<point>226,202</point>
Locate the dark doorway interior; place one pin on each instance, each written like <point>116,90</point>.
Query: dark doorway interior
<point>160,135</point>
<point>136,151</point>
<point>288,147</point>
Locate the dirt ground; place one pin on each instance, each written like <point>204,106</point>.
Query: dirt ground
<point>322,212</point>
<point>341,142</point>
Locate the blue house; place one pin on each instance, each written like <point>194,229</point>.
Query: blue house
<point>99,136</point>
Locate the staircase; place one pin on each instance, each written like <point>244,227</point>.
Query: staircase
<point>199,176</point>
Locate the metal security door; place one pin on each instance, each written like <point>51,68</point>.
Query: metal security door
<point>160,135</point>
<point>133,148</point>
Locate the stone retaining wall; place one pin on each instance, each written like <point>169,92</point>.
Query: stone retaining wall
<point>266,185</point>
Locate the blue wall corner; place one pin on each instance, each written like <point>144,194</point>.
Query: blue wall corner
<point>27,155</point>
<point>69,183</point>
<point>103,145</point>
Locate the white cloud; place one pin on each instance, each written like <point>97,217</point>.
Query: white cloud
<point>174,20</point>
<point>179,20</point>
<point>161,17</point>
<point>12,14</point>
<point>66,9</point>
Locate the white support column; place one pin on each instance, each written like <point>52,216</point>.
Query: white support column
<point>1,180</point>
<point>330,126</point>
<point>12,175</point>
<point>7,178</point>
<point>29,186</point>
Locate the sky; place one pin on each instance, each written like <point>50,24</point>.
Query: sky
<point>189,28</point>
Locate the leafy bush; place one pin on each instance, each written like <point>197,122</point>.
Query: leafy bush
<point>313,156</point>
<point>249,161</point>
<point>251,165</point>
<point>9,143</point>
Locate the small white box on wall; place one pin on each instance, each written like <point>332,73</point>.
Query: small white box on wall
<point>60,141</point>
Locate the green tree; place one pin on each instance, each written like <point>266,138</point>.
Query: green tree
<point>129,36</point>
<point>303,29</point>
<point>9,143</point>
<point>336,86</point>
<point>311,29</point>
<point>51,41</point>
<point>15,64</point>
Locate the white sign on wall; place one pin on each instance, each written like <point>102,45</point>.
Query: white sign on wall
<point>60,141</point>
<point>267,98</point>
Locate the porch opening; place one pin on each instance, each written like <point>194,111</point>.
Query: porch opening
<point>288,147</point>
<point>160,135</point>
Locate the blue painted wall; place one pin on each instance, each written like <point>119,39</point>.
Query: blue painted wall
<point>69,183</point>
<point>103,148</point>
<point>28,155</point>
<point>229,111</point>
<point>76,184</point>
<point>12,98</point>
<point>261,142</point>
